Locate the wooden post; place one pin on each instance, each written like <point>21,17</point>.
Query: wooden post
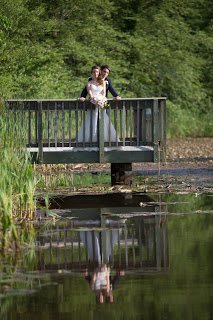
<point>101,135</point>
<point>121,174</point>
<point>29,124</point>
<point>138,123</point>
<point>124,114</point>
<point>155,129</point>
<point>103,240</point>
<point>56,125</point>
<point>157,243</point>
<point>76,123</point>
<point>163,129</point>
<point>40,134</point>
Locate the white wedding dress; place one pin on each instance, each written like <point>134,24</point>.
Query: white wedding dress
<point>96,90</point>
<point>93,244</point>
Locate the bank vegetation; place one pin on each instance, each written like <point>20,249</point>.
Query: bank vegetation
<point>154,48</point>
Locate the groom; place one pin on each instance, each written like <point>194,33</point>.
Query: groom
<point>105,70</point>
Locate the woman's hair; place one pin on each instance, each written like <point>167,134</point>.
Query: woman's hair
<point>96,67</point>
<point>100,80</point>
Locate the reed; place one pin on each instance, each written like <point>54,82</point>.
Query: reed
<point>17,185</point>
<point>52,177</point>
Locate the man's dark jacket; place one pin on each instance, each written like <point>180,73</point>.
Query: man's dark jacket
<point>109,87</point>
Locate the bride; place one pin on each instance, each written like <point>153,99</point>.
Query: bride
<point>96,89</point>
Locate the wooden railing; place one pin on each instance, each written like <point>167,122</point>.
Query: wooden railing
<point>56,124</point>
<point>139,243</point>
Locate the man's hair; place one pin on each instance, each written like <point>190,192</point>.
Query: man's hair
<point>105,66</point>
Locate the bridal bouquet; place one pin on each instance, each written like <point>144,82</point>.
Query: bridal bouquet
<point>100,101</point>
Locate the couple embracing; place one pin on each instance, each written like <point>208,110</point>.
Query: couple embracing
<point>99,77</point>
<point>97,87</point>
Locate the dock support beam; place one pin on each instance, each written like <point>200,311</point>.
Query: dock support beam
<point>121,174</point>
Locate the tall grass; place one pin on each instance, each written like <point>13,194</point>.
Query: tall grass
<point>52,178</point>
<point>17,184</point>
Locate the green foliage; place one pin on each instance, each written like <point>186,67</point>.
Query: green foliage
<point>4,27</point>
<point>154,48</point>
<point>17,179</point>
<point>185,122</point>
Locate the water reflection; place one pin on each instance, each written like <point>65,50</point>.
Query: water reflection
<point>119,237</point>
<point>102,282</point>
<point>102,244</point>
<point>133,243</point>
<point>110,259</point>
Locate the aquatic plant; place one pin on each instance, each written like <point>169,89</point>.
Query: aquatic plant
<point>17,185</point>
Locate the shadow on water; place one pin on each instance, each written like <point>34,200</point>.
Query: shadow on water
<point>117,249</point>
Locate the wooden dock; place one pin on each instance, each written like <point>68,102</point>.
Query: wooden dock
<point>134,244</point>
<point>51,130</point>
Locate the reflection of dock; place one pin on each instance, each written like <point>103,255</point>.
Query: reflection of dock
<point>108,229</point>
<point>136,243</point>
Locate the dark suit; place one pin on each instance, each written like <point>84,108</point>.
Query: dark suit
<point>109,87</point>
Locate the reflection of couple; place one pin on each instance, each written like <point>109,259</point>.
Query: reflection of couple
<point>99,246</point>
<point>93,244</point>
<point>102,283</point>
<point>97,88</point>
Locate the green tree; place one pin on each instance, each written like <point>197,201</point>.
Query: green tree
<point>154,48</point>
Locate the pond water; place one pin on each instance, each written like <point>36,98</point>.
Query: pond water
<point>119,256</point>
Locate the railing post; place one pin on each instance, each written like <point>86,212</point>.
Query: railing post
<point>163,128</point>
<point>138,123</point>
<point>76,123</point>
<point>124,123</point>
<point>101,135</point>
<point>103,240</point>
<point>40,134</point>
<point>29,123</point>
<point>157,242</point>
<point>155,129</point>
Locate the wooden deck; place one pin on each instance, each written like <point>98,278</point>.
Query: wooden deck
<point>51,130</point>
<point>137,243</point>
